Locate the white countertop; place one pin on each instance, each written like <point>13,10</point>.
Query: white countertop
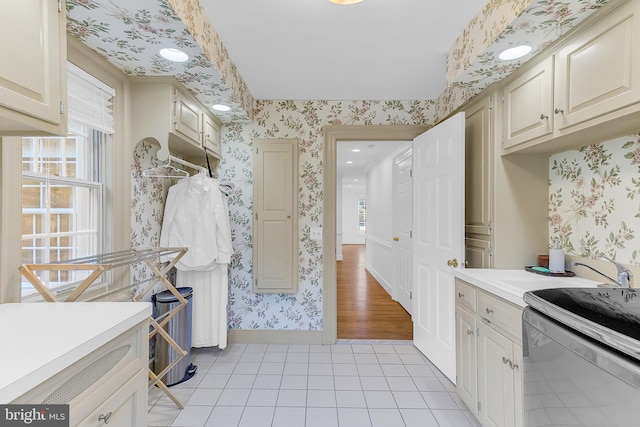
<point>512,284</point>
<point>41,339</point>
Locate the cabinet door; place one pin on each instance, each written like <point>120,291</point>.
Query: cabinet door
<point>466,360</point>
<point>275,225</point>
<point>528,105</point>
<point>477,253</point>
<point>187,117</point>
<point>211,135</point>
<point>599,72</point>
<point>127,407</point>
<point>478,168</point>
<point>33,71</point>
<point>495,379</point>
<point>518,394</point>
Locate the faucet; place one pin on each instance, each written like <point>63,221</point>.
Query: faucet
<point>624,275</point>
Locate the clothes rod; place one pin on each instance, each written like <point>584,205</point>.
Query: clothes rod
<point>186,163</point>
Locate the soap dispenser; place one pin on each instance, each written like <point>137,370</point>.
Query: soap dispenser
<point>556,258</point>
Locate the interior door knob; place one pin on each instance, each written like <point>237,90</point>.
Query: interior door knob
<point>452,263</point>
<point>395,239</point>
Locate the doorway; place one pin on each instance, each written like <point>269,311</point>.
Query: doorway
<point>333,134</point>
<point>365,309</point>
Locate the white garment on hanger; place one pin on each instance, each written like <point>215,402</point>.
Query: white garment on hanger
<point>196,216</point>
<point>209,305</point>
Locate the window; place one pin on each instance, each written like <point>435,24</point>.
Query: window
<point>62,190</point>
<point>362,214</point>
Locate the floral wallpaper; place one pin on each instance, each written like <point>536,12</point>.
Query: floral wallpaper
<point>594,200</point>
<point>129,37</point>
<point>472,62</point>
<point>148,195</point>
<point>303,120</point>
<point>130,34</point>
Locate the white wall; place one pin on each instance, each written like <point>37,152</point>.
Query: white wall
<point>351,233</point>
<point>379,256</point>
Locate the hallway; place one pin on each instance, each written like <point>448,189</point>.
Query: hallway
<point>365,309</point>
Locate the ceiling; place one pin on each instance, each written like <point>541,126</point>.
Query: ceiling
<point>314,49</point>
<point>241,51</point>
<point>369,154</point>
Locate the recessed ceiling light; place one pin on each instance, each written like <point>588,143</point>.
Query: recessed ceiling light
<point>515,52</point>
<point>349,162</point>
<point>345,1</point>
<point>221,107</point>
<point>355,150</point>
<point>172,54</point>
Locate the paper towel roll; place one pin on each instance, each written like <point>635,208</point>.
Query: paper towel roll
<point>556,260</point>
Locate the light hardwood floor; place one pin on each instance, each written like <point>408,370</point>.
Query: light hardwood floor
<point>365,309</point>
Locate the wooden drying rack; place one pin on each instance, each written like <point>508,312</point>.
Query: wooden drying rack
<point>98,264</point>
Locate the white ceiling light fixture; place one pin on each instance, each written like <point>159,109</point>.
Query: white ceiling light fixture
<point>345,1</point>
<point>515,52</point>
<point>173,54</point>
<point>355,150</point>
<point>221,107</point>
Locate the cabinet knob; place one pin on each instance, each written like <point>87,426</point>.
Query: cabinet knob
<point>558,111</point>
<point>469,332</point>
<point>460,295</point>
<point>543,116</point>
<point>505,360</point>
<point>489,310</point>
<point>105,418</point>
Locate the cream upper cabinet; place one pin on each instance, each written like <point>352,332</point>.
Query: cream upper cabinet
<point>588,89</point>
<point>33,73</point>
<point>599,72</point>
<point>187,117</point>
<point>505,196</point>
<point>528,105</point>
<point>211,134</point>
<point>478,163</point>
<point>163,110</point>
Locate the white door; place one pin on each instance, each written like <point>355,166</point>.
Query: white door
<point>438,238</point>
<point>402,214</point>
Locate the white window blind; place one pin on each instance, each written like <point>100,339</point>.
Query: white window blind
<point>89,100</point>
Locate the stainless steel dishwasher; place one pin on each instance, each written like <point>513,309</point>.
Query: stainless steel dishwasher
<point>582,357</point>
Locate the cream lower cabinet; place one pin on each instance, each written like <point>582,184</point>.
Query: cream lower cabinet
<point>106,387</point>
<point>499,379</point>
<point>489,357</point>
<point>33,72</point>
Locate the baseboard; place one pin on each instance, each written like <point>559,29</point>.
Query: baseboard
<point>262,336</point>
<point>385,285</point>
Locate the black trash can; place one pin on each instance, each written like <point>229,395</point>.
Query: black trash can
<point>179,328</point>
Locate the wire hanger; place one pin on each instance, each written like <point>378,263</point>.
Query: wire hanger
<point>165,171</point>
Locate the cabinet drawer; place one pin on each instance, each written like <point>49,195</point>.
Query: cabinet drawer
<point>501,314</point>
<point>466,295</point>
<point>127,407</point>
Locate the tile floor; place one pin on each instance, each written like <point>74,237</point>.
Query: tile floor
<point>348,384</point>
